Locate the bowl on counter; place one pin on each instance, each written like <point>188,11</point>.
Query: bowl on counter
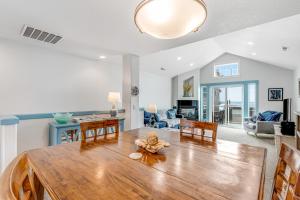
<point>62,118</point>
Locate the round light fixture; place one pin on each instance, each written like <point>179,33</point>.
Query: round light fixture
<point>169,19</point>
<point>250,43</point>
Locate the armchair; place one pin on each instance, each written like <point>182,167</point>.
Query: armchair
<point>263,123</point>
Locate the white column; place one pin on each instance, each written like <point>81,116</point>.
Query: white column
<point>8,141</point>
<point>131,74</point>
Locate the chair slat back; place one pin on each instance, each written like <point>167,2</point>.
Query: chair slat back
<point>286,185</point>
<point>19,182</point>
<point>90,126</point>
<point>96,125</point>
<point>113,124</point>
<point>192,125</point>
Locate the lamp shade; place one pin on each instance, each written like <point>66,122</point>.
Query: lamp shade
<point>114,97</point>
<point>169,19</point>
<point>152,108</point>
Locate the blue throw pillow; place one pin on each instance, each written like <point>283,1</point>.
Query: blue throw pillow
<point>157,117</point>
<point>171,114</point>
<point>147,114</point>
<point>277,116</point>
<point>270,116</point>
<point>260,117</point>
<point>274,117</point>
<point>267,115</point>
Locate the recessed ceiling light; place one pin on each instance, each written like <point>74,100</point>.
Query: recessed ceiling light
<point>284,48</point>
<point>179,58</point>
<point>253,54</point>
<point>250,43</point>
<point>102,57</point>
<point>191,64</point>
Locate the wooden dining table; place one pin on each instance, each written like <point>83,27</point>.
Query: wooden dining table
<point>187,169</point>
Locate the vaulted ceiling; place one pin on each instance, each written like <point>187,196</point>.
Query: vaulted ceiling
<point>94,27</point>
<point>263,43</point>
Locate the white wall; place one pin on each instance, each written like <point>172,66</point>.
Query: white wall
<point>155,89</point>
<point>37,80</point>
<point>296,92</point>
<point>269,76</point>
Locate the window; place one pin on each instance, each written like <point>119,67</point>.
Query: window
<point>226,70</point>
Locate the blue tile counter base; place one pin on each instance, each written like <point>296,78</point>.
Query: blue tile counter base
<point>9,120</point>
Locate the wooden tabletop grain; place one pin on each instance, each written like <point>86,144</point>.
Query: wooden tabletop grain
<point>188,169</point>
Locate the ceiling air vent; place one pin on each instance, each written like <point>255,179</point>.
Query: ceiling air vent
<point>40,35</point>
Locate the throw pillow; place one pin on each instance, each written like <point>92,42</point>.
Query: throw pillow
<point>274,117</point>
<point>147,114</point>
<point>156,117</point>
<point>277,116</point>
<point>162,114</point>
<point>171,114</point>
<point>268,115</point>
<point>260,117</point>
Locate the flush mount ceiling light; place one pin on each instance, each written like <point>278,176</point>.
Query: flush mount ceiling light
<point>250,43</point>
<point>169,19</point>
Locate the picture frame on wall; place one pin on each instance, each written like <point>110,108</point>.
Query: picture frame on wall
<point>275,94</point>
<point>188,87</point>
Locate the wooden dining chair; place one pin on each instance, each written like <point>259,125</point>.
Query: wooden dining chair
<point>186,126</point>
<point>190,127</point>
<point>111,126</point>
<point>286,185</point>
<point>93,126</point>
<point>19,182</point>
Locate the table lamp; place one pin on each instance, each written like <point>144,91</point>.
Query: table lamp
<point>152,108</point>
<point>114,98</point>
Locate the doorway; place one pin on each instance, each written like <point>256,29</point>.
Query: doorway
<point>227,105</point>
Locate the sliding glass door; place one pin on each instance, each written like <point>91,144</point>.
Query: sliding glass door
<point>235,105</point>
<point>219,110</point>
<point>229,103</point>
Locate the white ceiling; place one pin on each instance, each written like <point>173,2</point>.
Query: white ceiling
<point>268,40</point>
<point>94,27</point>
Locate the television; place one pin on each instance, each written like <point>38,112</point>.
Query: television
<point>287,110</point>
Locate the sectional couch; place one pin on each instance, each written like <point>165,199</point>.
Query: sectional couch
<point>164,118</point>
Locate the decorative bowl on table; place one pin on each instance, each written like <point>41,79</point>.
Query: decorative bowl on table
<point>62,118</point>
